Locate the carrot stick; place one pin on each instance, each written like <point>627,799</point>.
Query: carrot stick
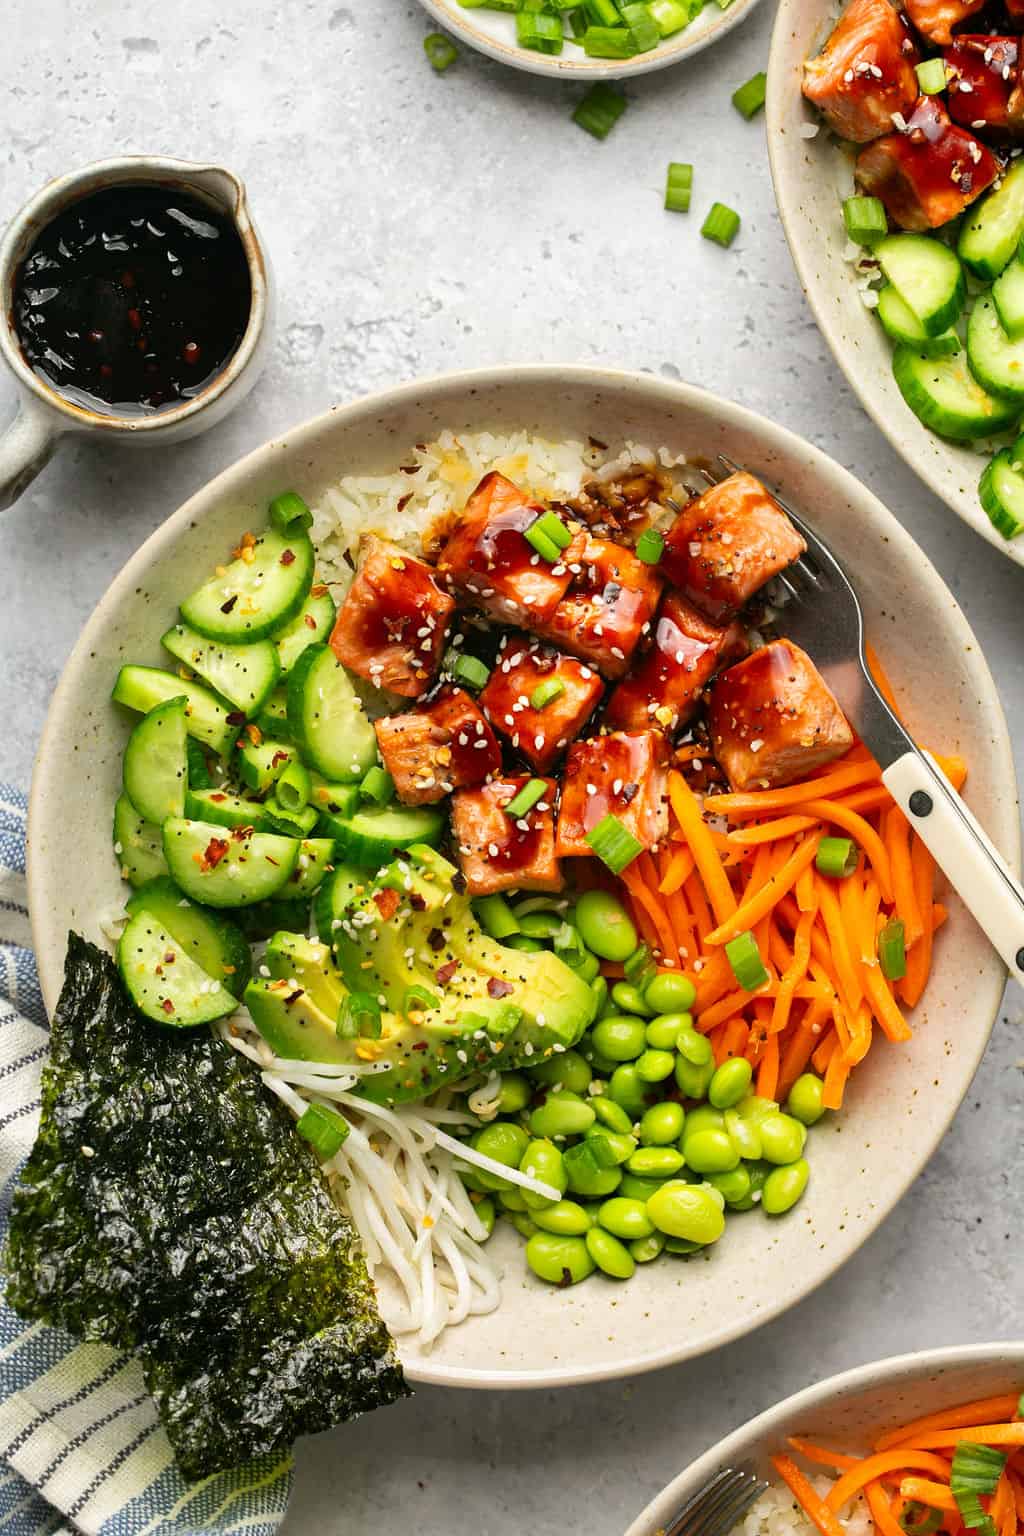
<point>768,1069</point>
<point>870,1468</point>
<point>639,878</point>
<point>680,868</point>
<point>897,843</point>
<point>884,1006</point>
<point>924,1491</point>
<point>919,959</point>
<point>811,1503</point>
<point>697,899</point>
<point>867,933</point>
<point>794,972</point>
<point>886,1522</point>
<point>977,1434</point>
<point>770,831</point>
<point>954,767</point>
<point>849,981</point>
<point>806,898</point>
<point>939,915</point>
<point>758,802</point>
<point>800,1044</point>
<point>688,815</point>
<point>726,1008</point>
<point>757,906</point>
<point>641,917</point>
<point>875,798</point>
<point>836,1074</point>
<point>820,1454</point>
<point>862,832</point>
<point>735,1036</point>
<point>824,1052</point>
<point>682,925</point>
<point>860,1036</point>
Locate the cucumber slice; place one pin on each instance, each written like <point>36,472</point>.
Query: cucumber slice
<point>261,764</point>
<point>1001,491</point>
<point>223,869</point>
<point>1008,298</point>
<point>942,393</point>
<point>273,717</point>
<point>245,675</point>
<point>163,982</point>
<point>373,835</point>
<point>216,945</point>
<point>225,809</point>
<point>313,623</point>
<point>332,799</point>
<point>991,231</point>
<point>327,717</point>
<point>927,276</point>
<point>258,922</point>
<point>155,768</point>
<point>206,718</point>
<point>198,767</point>
<point>903,327</point>
<point>137,844</point>
<point>254,597</point>
<point>335,895</point>
<point>996,362</point>
<point>311,869</point>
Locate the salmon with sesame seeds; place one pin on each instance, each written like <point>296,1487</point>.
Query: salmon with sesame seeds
<point>935,19</point>
<point>773,719</point>
<point>497,853</point>
<point>440,747</point>
<point>392,626</point>
<point>603,615</point>
<point>624,775</point>
<point>521,667</point>
<point>929,174</point>
<point>665,687</point>
<point>864,73</point>
<point>984,90</point>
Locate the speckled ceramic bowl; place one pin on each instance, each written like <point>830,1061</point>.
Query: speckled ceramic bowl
<point>850,1411</point>
<point>494,33</point>
<point>812,177</point>
<point>670,1310</point>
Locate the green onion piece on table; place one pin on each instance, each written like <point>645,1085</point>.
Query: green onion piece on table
<point>546,692</point>
<point>720,225</point>
<point>378,786</point>
<point>836,856</point>
<point>539,31</point>
<point>931,76</point>
<point>532,791</point>
<point>670,15</point>
<point>496,917</point>
<point>641,25</point>
<point>440,50</point>
<point>892,950</point>
<point>289,513</point>
<point>614,843</point>
<point>744,958</point>
<point>323,1128</point>
<point>468,670</point>
<point>600,110</point>
<point>678,187</point>
<point>748,99</point>
<point>359,1016</point>
<point>865,220</point>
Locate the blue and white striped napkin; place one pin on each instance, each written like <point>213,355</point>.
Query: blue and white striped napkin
<point>81,1447</point>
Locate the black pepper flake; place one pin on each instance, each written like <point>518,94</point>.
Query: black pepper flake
<point>417,902</point>
<point>232,600</point>
<point>459,883</point>
<point>435,938</point>
<point>629,793</point>
<point>236,717</point>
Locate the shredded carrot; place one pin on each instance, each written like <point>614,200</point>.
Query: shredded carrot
<point>976,1434</point>
<point>824,1052</point>
<point>688,814</point>
<point>771,831</point>
<point>725,1008</point>
<point>884,1006</point>
<point>698,904</point>
<point>836,1074</point>
<point>641,881</point>
<point>758,802</point>
<point>821,1455</point>
<point>870,1468</point>
<point>862,832</point>
<point>924,1491</point>
<point>757,906</point>
<point>897,843</point>
<point>955,769</point>
<point>679,870</point>
<point>849,981</point>
<point>678,912</point>
<point>768,1069</point>
<point>810,1502</point>
<point>735,1036</point>
<point>939,916</point>
<point>882,1511</point>
<point>919,959</point>
<point>794,972</point>
<point>800,1045</point>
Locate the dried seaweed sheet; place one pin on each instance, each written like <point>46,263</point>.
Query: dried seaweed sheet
<point>169,1208</point>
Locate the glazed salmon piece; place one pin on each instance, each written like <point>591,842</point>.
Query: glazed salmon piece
<point>930,173</point>
<point>773,719</point>
<point>983,93</point>
<point>522,665</point>
<point>392,626</point>
<point>443,746</point>
<point>623,774</point>
<point>489,563</point>
<point>864,73</point>
<point>608,607</point>
<point>665,687</point>
<point>935,19</point>
<point>497,853</point>
<point>727,543</point>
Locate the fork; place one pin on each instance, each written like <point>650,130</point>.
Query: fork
<point>824,617</point>
<point>717,1506</point>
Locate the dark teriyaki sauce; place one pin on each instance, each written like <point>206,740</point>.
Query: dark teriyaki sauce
<point>133,299</point>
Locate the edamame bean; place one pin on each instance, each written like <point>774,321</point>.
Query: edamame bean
<point>754,1108</point>
<point>784,1186</point>
<point>730,1083</point>
<point>716,1194</point>
<point>662,1124</point>
<point>661,1033</point>
<point>628,1090</point>
<point>625,1218</point>
<point>734,1186</point>
<point>620,1037</point>
<point>710,1151</point>
<point>655,1162</point>
<point>655,1066</point>
<point>691,1044</point>
<point>682,1246</point>
<point>561,1114</point>
<point>523,1224</point>
<point>599,1065</point>
<point>804,1102</point>
<point>634,1188</point>
<point>692,1081</point>
<point>565,1070</point>
<point>630,999</point>
<point>523,943</point>
<point>744,1134</point>
<point>506,1143</point>
<point>486,1214</point>
<point>644,1249</point>
<point>566,1219</point>
<point>782,1138</point>
<point>584,964</point>
<point>599,987</point>
<point>540,925</point>
<point>669,993</point>
<point>605,926</point>
<point>610,1256</point>
<point>511,1199</point>
<point>559,1260</point>
<point>615,1148</point>
<point>542,1160</point>
<point>515,1093</point>
<point>687,1211</point>
<point>704,1117</point>
<point>611,1114</point>
<point>586,1175</point>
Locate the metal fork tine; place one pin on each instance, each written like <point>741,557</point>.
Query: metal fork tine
<point>694,1513</point>
<point>744,1498</point>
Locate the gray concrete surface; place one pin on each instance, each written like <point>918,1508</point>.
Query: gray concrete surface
<point>420,224</point>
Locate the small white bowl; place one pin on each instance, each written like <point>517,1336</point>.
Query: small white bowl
<point>494,33</point>
<point>901,1100</point>
<point>812,176</point>
<point>850,1410</point>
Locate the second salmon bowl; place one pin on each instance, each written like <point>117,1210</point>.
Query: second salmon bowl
<point>464,783</point>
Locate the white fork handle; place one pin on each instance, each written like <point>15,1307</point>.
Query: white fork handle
<point>963,852</point>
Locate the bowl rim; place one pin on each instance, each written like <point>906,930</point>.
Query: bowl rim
<point>787,181</point>
<point>872,1373</point>
<point>583,70</point>
<point>988,986</point>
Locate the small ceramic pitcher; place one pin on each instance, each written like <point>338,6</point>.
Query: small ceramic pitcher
<point>44,416</point>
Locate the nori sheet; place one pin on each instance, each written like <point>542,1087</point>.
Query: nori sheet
<point>169,1208</point>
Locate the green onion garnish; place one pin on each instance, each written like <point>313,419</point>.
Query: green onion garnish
<point>496,917</point>
<point>577,24</point>
<point>602,13</point>
<point>599,110</point>
<point>540,32</point>
<point>532,791</point>
<point>678,186</point>
<point>919,1520</point>
<point>976,1470</point>
<point>720,225</point>
<point>931,76</point>
<point>470,671</point>
<point>744,958</point>
<point>670,15</point>
<point>650,546</point>
<point>289,513</point>
<point>298,823</point>
<point>419,1000</point>
<point>836,856</point>
<point>545,547</point>
<point>440,50</point>
<point>378,786</point>
<point>892,950</point>
<point>552,527</point>
<point>637,963</point>
<point>865,220</point>
<point>642,26</point>
<point>609,43</point>
<point>323,1128</point>
<point>293,788</point>
<point>614,843</point>
<point>546,692</point>
<point>359,1016</point>
<point>748,99</point>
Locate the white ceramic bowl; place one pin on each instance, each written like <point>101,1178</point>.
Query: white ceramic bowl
<point>812,176</point>
<point>670,1310</point>
<point>494,33</point>
<point>850,1411</point>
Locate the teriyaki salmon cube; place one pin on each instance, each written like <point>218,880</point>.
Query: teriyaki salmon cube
<point>498,852</point>
<point>438,748</point>
<point>929,173</point>
<point>608,607</point>
<point>865,72</point>
<point>392,626</point>
<point>935,19</point>
<point>984,91</point>
<point>540,731</point>
<point>665,686</point>
<point>623,774</point>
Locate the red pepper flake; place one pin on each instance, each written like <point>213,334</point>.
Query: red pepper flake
<point>279,757</point>
<point>498,988</point>
<point>318,590</point>
<point>309,621</point>
<point>169,957</point>
<point>386,902</point>
<point>288,557</point>
<point>215,850</point>
<point>216,796</point>
<point>236,717</point>
<point>232,600</point>
<point>444,973</point>
<point>254,734</point>
<point>167,1005</point>
<point>420,1045</point>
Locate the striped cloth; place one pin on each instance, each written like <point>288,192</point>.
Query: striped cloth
<point>81,1447</point>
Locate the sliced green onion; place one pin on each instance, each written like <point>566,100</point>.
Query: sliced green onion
<point>614,843</point>
<point>532,791</point>
<point>546,692</point>
<point>419,1000</point>
<point>920,1520</point>
<point>609,43</point>
<point>637,963</point>
<point>650,546</point>
<point>720,225</point>
<point>865,220</point>
<point>359,1016</point>
<point>837,856</point>
<point>289,513</point>
<point>931,76</point>
<point>744,958</point>
<point>323,1128</point>
<point>496,917</point>
<point>440,50</point>
<point>540,32</point>
<point>545,547</point>
<point>552,527</point>
<point>290,823</point>
<point>378,786</point>
<point>670,15</point>
<point>470,671</point>
<point>602,13</point>
<point>293,788</point>
<point>892,950</point>
<point>577,24</point>
<point>976,1470</point>
<point>748,99</point>
<point>642,26</point>
<point>599,110</point>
